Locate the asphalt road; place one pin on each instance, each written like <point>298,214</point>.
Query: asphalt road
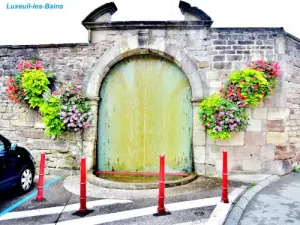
<point>277,204</point>
<point>57,196</point>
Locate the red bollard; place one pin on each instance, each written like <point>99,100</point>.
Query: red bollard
<point>40,196</point>
<point>82,208</point>
<point>225,179</point>
<point>161,196</point>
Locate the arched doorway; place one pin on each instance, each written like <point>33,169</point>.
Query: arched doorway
<point>145,110</point>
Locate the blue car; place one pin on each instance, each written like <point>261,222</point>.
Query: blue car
<point>17,166</point>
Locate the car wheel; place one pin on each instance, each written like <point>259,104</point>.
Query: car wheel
<point>26,180</point>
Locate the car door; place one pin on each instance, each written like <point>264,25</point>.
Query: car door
<point>9,167</point>
<point>2,166</point>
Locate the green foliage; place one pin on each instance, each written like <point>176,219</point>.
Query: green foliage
<point>221,117</point>
<point>50,111</point>
<point>252,84</point>
<point>296,168</point>
<point>253,184</point>
<point>34,83</point>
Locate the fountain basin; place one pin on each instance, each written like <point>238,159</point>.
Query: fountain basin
<point>136,182</point>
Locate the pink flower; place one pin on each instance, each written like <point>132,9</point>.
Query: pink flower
<point>27,64</point>
<point>38,65</point>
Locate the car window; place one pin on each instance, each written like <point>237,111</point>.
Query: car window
<point>1,146</point>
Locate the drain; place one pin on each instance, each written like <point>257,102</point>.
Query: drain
<point>199,213</point>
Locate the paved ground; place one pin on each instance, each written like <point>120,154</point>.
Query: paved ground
<point>61,204</point>
<point>277,204</point>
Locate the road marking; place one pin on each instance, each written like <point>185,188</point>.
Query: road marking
<point>27,198</point>
<point>60,209</point>
<point>100,219</point>
<point>197,222</point>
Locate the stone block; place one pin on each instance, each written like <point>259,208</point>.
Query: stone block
<point>203,64</point>
<point>278,99</point>
<point>280,45</point>
<point>267,152</point>
<point>237,139</point>
<point>210,141</point>
<point>252,165</point>
<point>277,167</point>
<point>259,113</point>
<point>48,144</point>
<point>212,154</point>
<point>274,125</point>
<point>2,109</point>
<point>255,138</point>
<point>219,58</point>
<point>197,125</point>
<point>199,154</point>
<point>89,163</point>
<point>4,123</point>
<point>31,133</point>
<point>244,152</point>
<point>254,125</point>
<point>278,113</point>
<point>212,75</point>
<point>222,65</point>
<point>88,148</point>
<point>284,152</point>
<point>198,137</point>
<point>277,138</point>
<point>232,165</point>
<point>215,84</point>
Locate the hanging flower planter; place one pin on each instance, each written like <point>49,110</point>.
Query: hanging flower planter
<point>222,114</point>
<point>64,109</point>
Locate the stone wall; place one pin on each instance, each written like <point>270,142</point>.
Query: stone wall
<point>292,84</point>
<point>216,52</point>
<point>255,150</point>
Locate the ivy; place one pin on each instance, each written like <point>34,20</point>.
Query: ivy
<point>35,84</point>
<point>50,111</point>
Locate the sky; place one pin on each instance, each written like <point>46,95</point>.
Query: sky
<point>45,26</point>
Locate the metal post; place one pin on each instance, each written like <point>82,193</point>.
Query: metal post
<point>82,208</point>
<point>161,196</point>
<point>40,196</point>
<point>225,179</point>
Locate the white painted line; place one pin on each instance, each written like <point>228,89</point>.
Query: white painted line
<point>100,219</point>
<point>198,222</point>
<point>219,214</point>
<point>59,209</point>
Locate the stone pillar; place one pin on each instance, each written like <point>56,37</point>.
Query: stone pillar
<point>199,137</point>
<point>90,136</point>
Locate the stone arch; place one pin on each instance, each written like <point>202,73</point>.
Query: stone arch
<point>134,46</point>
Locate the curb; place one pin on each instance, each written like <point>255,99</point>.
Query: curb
<point>237,209</point>
<point>220,213</point>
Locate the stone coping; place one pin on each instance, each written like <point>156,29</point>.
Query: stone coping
<point>62,45</point>
<point>93,179</point>
<point>128,25</point>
